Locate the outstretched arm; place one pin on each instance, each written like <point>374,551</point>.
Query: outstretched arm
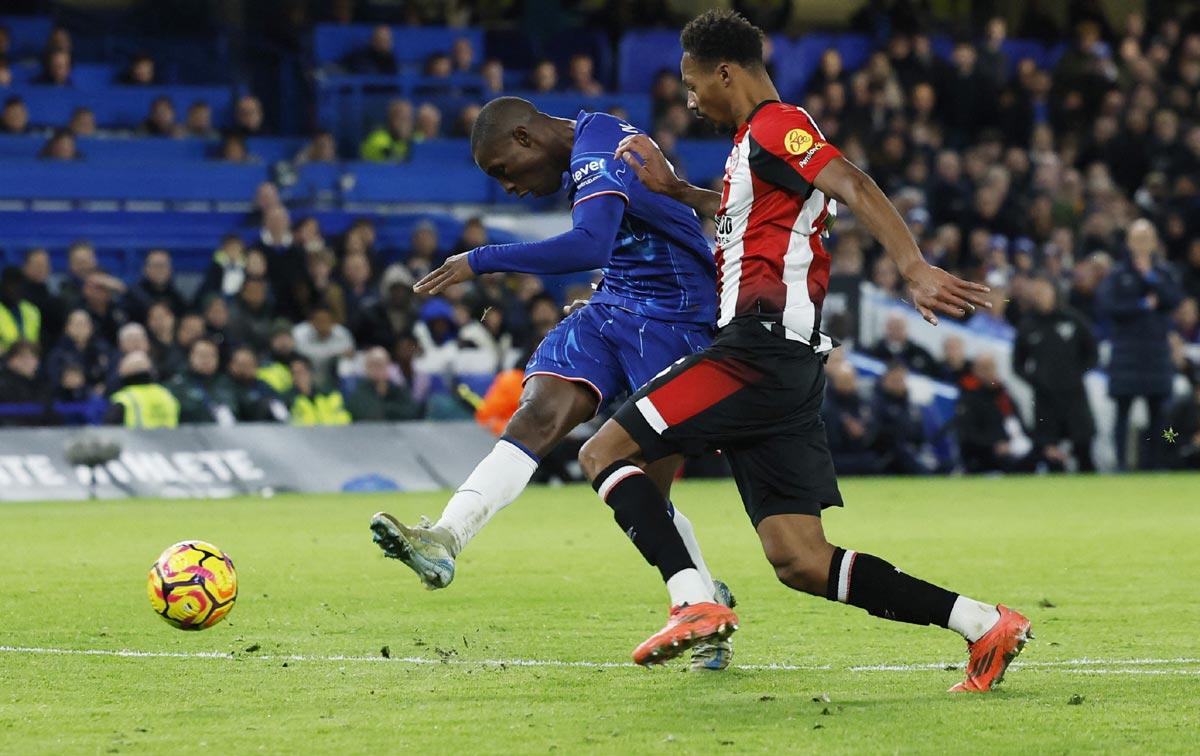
<point>647,161</point>
<point>932,288</point>
<point>587,246</point>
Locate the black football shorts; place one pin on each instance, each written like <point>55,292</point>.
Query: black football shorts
<point>756,397</point>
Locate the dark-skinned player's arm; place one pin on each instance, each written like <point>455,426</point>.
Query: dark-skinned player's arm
<point>645,158</point>
<point>587,246</point>
<point>933,289</point>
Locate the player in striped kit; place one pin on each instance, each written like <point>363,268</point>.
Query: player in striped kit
<point>756,391</point>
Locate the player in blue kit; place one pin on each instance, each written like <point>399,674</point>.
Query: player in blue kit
<point>656,304</point>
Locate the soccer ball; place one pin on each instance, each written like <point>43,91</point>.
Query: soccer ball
<point>192,585</point>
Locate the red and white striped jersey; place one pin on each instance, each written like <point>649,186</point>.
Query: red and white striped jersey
<point>770,260</point>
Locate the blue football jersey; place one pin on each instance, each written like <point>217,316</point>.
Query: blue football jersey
<point>661,266</point>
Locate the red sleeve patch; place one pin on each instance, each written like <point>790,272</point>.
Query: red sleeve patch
<point>790,134</point>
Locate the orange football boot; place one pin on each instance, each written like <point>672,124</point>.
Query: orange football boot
<point>688,625</point>
<point>994,651</point>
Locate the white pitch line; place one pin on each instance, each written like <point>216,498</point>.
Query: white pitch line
<point>1082,666</point>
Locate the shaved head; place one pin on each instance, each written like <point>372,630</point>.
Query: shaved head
<point>498,118</point>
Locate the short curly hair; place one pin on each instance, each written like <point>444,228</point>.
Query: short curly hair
<point>723,35</point>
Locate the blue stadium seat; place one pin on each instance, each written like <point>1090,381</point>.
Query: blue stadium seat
<point>166,182</point>
<point>703,159</point>
<point>145,149</point>
<point>28,33</point>
<point>377,182</point>
<point>567,105</point>
<point>275,149</point>
<point>332,43</point>
<point>642,53</point>
<point>93,75</point>
<point>118,106</point>
<point>855,49</point>
<point>442,152</point>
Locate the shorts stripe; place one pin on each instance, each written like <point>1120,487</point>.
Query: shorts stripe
<point>694,390</point>
<point>844,576</point>
<point>650,413</point>
<point>617,476</point>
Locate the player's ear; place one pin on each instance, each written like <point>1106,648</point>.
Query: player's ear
<point>724,72</point>
<point>521,136</point>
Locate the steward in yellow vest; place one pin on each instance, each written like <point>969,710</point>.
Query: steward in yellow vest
<point>141,402</point>
<point>310,406</point>
<point>20,319</point>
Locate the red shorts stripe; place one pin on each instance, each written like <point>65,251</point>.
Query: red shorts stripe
<point>699,387</point>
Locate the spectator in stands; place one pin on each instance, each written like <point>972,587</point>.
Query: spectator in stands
<point>849,424</point>
<point>141,402</point>
<point>466,120</point>
<point>166,355</point>
<point>378,57</point>
<point>462,53</point>
<point>357,291</point>
<point>323,341</point>
<point>56,69</point>
<point>895,347</point>
<point>899,432</point>
<point>321,149</point>
<point>204,394</point>
<point>248,116</point>
<point>991,437</point>
<point>323,287</point>
<point>277,371</point>
<point>5,72</point>
<point>428,122</point>
<point>60,146</point>
<point>160,121</point>
<point>131,338</point>
<point>227,271</point>
<point>234,150</point>
<point>20,319</point>
<point>198,121</point>
<point>1185,420</point>
<point>307,235</point>
<point>14,119</point>
<point>1139,297</point>
<point>20,384</point>
<point>1186,320</point>
<point>157,284</point>
<point>438,66</point>
<point>251,316</point>
<point>140,73</point>
<point>253,400</point>
<point>216,324</point>
<point>422,250</point>
<point>391,315</point>
<point>80,345</point>
<point>5,41</point>
<point>391,143</point>
<point>1053,350</point>
<point>544,77</point>
<point>377,397</point>
<point>665,92</point>
<point>59,39</point>
<point>954,365</point>
<point>492,74</point>
<point>82,123</point>
<point>71,385</point>
<point>582,72</point>
<point>190,330</point>
<point>36,289</point>
<point>310,404</point>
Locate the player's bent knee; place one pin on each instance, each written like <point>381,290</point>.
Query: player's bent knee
<point>538,426</point>
<point>802,574</point>
<point>594,457</point>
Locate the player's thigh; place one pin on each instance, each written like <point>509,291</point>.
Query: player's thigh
<point>550,407</point>
<point>790,472</point>
<point>576,351</point>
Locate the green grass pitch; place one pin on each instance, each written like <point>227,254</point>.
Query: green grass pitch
<point>1106,567</point>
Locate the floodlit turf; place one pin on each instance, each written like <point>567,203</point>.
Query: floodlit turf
<point>1106,567</point>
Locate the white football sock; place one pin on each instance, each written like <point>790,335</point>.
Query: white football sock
<point>688,534</point>
<point>687,587</point>
<point>494,484</point>
<point>971,619</point>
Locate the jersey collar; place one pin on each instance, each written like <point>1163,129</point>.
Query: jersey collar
<point>746,124</point>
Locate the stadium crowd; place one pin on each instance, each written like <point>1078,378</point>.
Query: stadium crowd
<point>1071,190</point>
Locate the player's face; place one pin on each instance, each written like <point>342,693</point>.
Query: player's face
<point>520,166</point>
<point>706,91</point>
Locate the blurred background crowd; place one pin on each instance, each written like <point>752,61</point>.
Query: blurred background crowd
<point>1053,156</point>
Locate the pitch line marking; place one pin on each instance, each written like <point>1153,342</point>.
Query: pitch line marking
<point>1084,665</point>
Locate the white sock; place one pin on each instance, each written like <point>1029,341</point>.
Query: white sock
<point>494,484</point>
<point>688,587</point>
<point>971,619</point>
<point>688,534</point>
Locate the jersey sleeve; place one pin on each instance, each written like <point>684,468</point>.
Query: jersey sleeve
<point>787,149</point>
<point>594,170</point>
